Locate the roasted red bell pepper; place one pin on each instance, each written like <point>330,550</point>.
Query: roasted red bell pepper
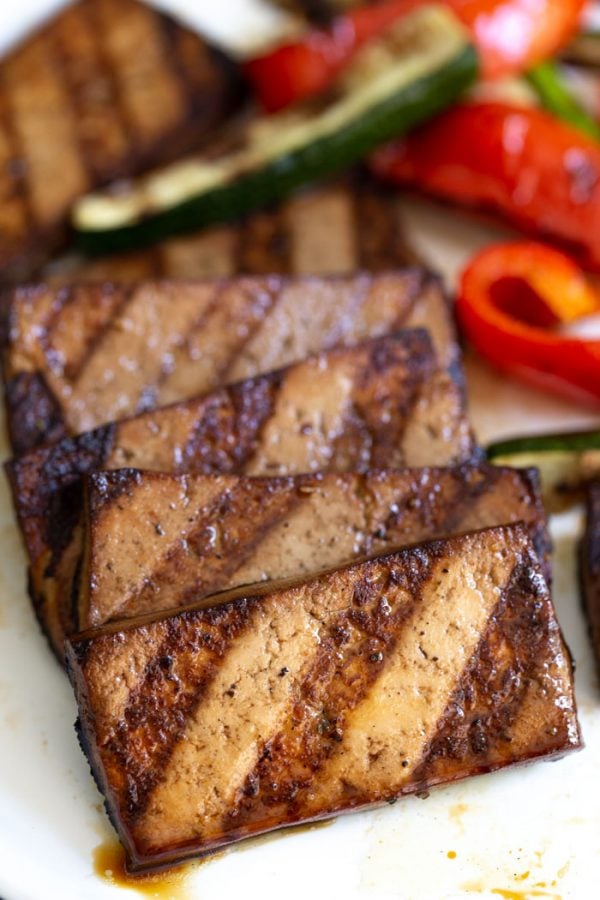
<point>511,299</point>
<point>299,70</point>
<point>539,173</point>
<point>511,35</point>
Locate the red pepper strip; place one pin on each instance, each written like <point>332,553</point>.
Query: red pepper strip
<point>511,296</point>
<point>537,172</point>
<point>511,35</point>
<point>297,71</point>
<point>514,35</point>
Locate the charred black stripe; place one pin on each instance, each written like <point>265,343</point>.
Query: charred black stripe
<point>234,550</point>
<point>47,485</point>
<point>274,292</point>
<point>475,729</point>
<point>61,70</point>
<point>364,424</point>
<point>263,243</point>
<point>75,370</point>
<point>105,63</point>
<point>33,415</point>
<point>291,759</point>
<point>12,257</point>
<point>381,243</point>
<point>167,696</point>
<point>241,412</point>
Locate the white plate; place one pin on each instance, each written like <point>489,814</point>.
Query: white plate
<point>534,832</point>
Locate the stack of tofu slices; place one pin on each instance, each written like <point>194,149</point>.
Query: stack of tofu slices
<point>258,523</point>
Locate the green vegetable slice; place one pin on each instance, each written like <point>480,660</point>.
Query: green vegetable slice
<point>420,66</point>
<point>555,96</point>
<point>566,462</point>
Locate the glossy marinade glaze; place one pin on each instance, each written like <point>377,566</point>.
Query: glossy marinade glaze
<point>82,355</point>
<point>154,541</point>
<point>269,707</point>
<point>372,405</point>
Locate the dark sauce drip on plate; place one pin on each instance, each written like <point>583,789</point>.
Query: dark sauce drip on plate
<point>170,884</point>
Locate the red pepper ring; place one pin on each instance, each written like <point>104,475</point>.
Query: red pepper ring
<point>510,296</point>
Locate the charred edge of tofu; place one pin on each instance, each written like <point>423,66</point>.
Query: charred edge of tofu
<point>33,415</point>
<point>589,568</point>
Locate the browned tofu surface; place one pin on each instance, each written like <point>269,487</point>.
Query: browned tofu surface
<point>343,226</point>
<point>277,706</point>
<point>590,567</point>
<point>104,90</point>
<point>371,405</point>
<point>156,542</point>
<point>81,356</point>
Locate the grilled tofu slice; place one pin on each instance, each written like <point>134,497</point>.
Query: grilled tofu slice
<point>274,706</point>
<point>106,89</point>
<point>346,225</point>
<point>77,357</point>
<point>590,567</point>
<point>156,542</point>
<point>371,405</point>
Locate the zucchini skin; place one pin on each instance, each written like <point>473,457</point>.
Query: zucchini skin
<point>395,116</point>
<point>577,441</point>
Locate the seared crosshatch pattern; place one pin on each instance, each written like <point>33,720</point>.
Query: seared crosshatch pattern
<point>411,670</point>
<point>156,542</point>
<point>80,106</point>
<point>371,405</point>
<point>81,355</point>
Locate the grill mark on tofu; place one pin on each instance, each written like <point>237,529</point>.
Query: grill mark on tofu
<point>15,212</point>
<point>165,541</point>
<point>218,338</point>
<point>40,418</point>
<point>146,82</point>
<point>43,119</point>
<point>187,661</point>
<point>353,647</point>
<point>89,341</point>
<point>493,709</point>
<point>333,696</point>
<point>253,427</point>
<point>91,96</point>
<point>379,229</point>
<point>378,755</point>
<point>263,244</point>
<point>91,326</point>
<point>214,544</point>
<point>102,131</point>
<point>96,392</point>
<point>344,414</point>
